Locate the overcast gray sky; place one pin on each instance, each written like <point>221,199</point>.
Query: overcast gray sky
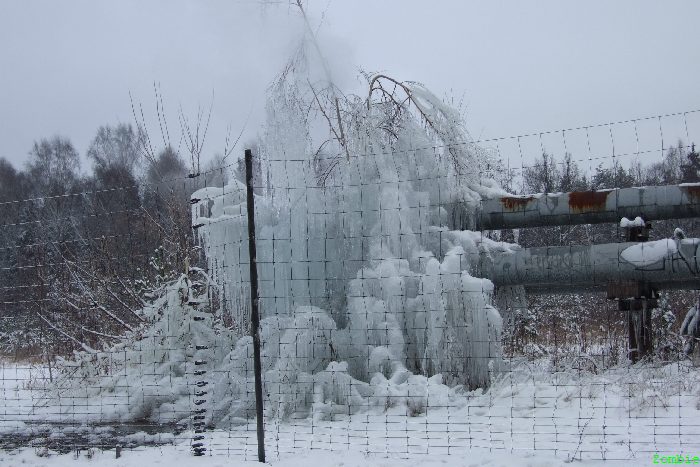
<point>67,67</point>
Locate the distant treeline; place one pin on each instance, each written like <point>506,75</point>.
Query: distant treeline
<point>80,253</point>
<point>549,174</point>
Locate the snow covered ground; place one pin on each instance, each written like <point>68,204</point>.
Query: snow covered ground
<point>530,416</point>
<point>172,456</point>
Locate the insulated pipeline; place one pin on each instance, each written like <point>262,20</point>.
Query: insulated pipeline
<point>589,207</point>
<point>666,264</point>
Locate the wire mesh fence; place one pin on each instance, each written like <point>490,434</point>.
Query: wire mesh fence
<point>126,309</point>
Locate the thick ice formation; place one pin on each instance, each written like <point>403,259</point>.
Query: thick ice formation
<point>366,295</point>
<point>365,286</point>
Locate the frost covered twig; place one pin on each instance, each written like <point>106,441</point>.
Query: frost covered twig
<point>338,137</point>
<point>414,93</point>
<point>84,346</point>
<point>193,139</point>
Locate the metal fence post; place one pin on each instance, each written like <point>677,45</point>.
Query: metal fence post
<point>254,316</point>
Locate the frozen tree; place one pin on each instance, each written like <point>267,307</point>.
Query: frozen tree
<point>411,306</point>
<point>375,302</point>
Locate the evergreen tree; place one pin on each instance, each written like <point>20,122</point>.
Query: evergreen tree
<point>690,170</point>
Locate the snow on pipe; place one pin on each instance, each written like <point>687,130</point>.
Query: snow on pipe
<point>666,264</point>
<point>589,207</point>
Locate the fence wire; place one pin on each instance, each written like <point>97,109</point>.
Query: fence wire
<point>125,311</point>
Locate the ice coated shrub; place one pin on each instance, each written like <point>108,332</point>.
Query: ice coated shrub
<point>150,375</point>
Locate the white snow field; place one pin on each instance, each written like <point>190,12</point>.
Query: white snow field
<point>528,417</point>
<point>177,456</point>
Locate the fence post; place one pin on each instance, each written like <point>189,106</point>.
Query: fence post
<point>254,316</point>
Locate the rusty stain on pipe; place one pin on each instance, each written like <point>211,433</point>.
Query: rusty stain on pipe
<point>693,191</point>
<point>589,207</point>
<point>587,201</point>
<point>516,203</point>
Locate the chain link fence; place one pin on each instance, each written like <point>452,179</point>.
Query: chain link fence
<point>126,310</point>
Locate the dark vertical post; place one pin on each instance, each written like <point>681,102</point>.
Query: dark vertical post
<point>645,323</point>
<point>633,325</point>
<point>254,316</point>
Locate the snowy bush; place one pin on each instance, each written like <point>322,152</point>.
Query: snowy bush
<point>149,375</point>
